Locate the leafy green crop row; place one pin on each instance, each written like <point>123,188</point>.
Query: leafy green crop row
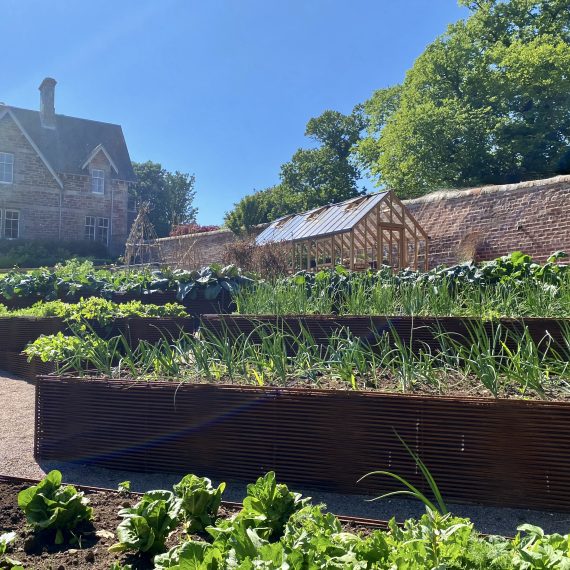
<point>510,286</point>
<point>75,279</point>
<point>277,529</point>
<point>95,309</point>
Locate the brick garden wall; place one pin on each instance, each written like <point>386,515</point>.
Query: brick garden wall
<point>476,223</point>
<point>484,223</point>
<point>195,250</point>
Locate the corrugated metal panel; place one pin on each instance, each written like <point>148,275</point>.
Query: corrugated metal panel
<point>497,452</point>
<point>333,219</point>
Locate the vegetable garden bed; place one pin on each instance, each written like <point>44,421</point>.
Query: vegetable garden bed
<point>417,332</point>
<point>490,451</point>
<point>37,550</point>
<point>17,332</point>
<point>51,525</point>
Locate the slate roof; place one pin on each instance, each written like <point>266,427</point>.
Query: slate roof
<point>67,147</point>
<point>320,222</point>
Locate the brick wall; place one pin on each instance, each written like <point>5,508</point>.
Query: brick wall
<point>195,250</point>
<point>484,223</point>
<point>477,223</point>
<point>36,195</point>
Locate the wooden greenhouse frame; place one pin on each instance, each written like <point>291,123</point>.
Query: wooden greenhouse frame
<point>357,234</point>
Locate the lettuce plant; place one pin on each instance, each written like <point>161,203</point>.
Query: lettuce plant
<point>49,505</point>
<point>199,501</point>
<point>191,555</point>
<point>146,526</point>
<point>270,504</point>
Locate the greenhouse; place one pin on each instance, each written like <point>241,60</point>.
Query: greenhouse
<point>361,233</point>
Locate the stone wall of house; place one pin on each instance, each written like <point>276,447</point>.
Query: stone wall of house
<point>484,223</point>
<point>46,212</point>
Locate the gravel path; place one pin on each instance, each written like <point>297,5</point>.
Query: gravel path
<point>16,459</point>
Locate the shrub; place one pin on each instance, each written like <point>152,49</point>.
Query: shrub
<point>38,253</point>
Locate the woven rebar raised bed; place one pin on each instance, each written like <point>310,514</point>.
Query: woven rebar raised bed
<point>496,452</point>
<point>418,332</point>
<point>17,332</point>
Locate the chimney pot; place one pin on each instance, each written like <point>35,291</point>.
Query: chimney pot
<point>47,102</point>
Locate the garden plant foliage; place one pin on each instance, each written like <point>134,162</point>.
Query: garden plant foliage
<point>50,505</point>
<point>277,529</point>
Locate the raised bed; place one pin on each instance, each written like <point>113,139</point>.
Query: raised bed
<point>419,332</point>
<point>36,549</point>
<point>17,332</point>
<point>497,452</point>
<point>222,304</point>
<point>17,363</point>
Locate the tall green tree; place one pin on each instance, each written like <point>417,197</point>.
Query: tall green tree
<point>487,102</point>
<point>169,194</point>
<point>313,177</point>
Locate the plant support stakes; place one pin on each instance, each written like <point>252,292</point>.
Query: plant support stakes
<point>362,233</point>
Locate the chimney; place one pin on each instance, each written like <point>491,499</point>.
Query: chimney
<point>47,103</point>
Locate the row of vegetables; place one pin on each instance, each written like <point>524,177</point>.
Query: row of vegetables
<point>275,529</point>
<point>75,279</point>
<point>95,310</point>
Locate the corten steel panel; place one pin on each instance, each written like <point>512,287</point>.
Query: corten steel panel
<point>17,332</point>
<point>417,332</point>
<point>496,452</point>
<point>17,363</point>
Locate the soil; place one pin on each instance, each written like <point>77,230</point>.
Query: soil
<point>38,551</point>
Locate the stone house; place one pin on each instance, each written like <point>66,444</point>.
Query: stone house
<point>62,178</point>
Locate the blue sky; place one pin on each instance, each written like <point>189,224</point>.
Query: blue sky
<point>219,88</point>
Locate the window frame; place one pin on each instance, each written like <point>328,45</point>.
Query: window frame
<point>90,226</point>
<point>3,167</point>
<point>5,226</point>
<point>102,230</point>
<point>97,181</point>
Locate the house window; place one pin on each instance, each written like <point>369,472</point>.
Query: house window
<point>12,224</point>
<point>103,230</point>
<point>6,168</point>
<point>90,224</point>
<point>97,181</point>
<point>97,229</point>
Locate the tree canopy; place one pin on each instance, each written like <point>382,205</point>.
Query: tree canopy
<point>487,102</point>
<point>313,177</point>
<point>169,194</point>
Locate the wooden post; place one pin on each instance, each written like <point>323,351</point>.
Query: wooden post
<point>351,264</point>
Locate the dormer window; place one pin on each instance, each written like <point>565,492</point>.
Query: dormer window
<point>98,181</point>
<point>6,168</point>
